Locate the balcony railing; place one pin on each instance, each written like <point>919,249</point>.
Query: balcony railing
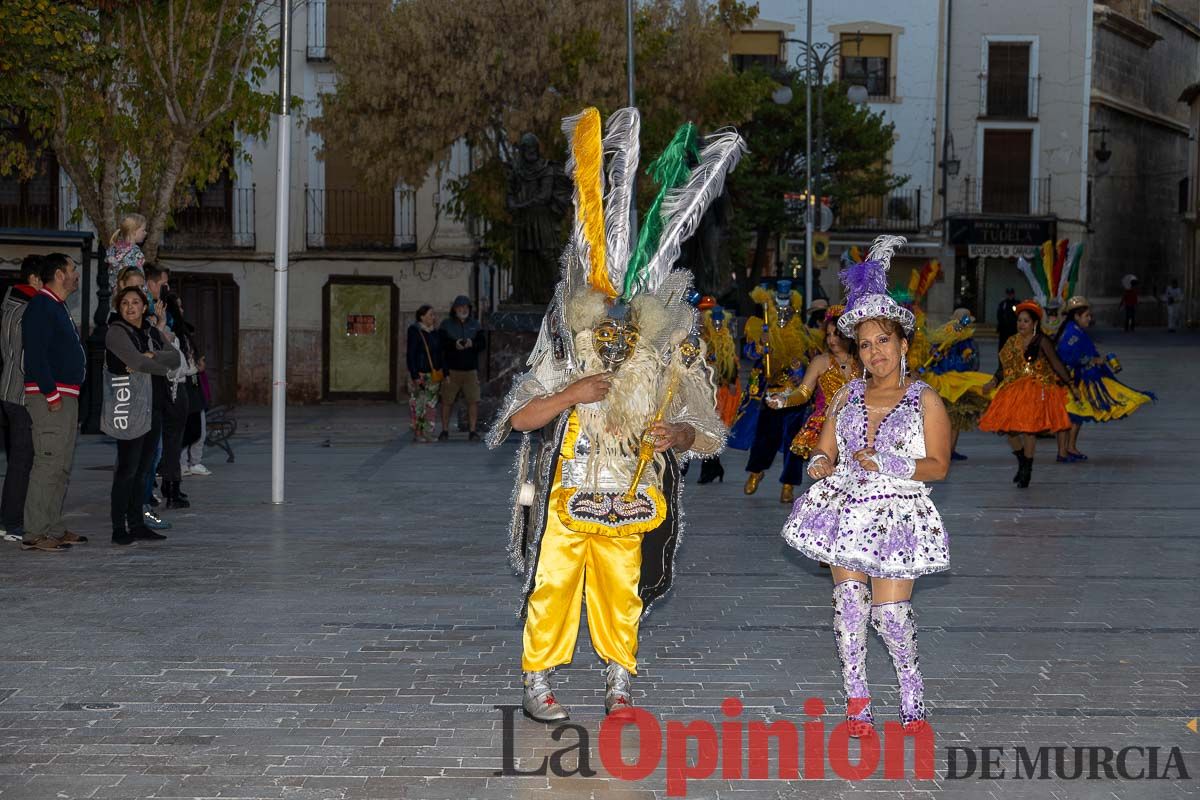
<point>1008,98</point>
<point>220,220</point>
<point>1030,198</point>
<point>898,210</point>
<point>350,219</point>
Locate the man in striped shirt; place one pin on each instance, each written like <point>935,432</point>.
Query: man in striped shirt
<point>55,365</point>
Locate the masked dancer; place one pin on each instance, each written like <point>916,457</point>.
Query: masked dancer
<point>620,391</point>
<point>721,352</point>
<point>869,514</point>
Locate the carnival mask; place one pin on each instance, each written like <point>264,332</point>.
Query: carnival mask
<point>615,340</point>
<point>689,350</point>
<point>718,317</point>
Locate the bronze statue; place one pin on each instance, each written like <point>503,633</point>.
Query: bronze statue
<point>538,195</point>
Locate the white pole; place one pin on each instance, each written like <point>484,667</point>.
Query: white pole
<point>808,183</point>
<point>629,55</point>
<point>282,199</point>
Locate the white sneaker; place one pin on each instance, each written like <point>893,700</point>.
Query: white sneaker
<point>198,469</point>
<point>12,537</point>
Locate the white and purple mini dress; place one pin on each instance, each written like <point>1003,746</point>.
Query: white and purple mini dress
<point>867,521</point>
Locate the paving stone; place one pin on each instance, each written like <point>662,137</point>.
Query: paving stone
<point>354,642</point>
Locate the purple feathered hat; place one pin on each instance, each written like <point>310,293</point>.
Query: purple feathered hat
<point>867,290</point>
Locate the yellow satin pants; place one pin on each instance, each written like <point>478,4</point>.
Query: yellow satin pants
<point>611,567</point>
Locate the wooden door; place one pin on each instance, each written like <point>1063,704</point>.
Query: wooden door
<point>1007,163</point>
<point>210,302</point>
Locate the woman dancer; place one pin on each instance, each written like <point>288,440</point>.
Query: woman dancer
<point>1102,398</point>
<point>869,514</point>
<point>828,372</point>
<point>951,368</point>
<point>1028,401</point>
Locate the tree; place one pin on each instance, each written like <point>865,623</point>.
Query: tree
<point>145,109</point>
<point>487,71</point>
<point>852,163</point>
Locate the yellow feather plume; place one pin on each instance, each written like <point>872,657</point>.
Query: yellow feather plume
<point>587,156</point>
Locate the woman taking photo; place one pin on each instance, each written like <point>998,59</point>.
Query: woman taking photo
<point>869,515</point>
<point>425,371</point>
<point>133,345</point>
<point>1101,397</point>
<point>1029,400</point>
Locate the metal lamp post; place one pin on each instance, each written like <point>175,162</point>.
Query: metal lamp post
<point>814,58</point>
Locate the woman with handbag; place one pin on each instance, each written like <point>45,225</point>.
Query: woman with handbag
<point>137,361</point>
<point>425,371</point>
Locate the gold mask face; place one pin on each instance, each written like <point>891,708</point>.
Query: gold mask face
<point>615,340</point>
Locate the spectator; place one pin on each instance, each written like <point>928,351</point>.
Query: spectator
<point>132,276</point>
<point>1173,297</point>
<point>1129,302</point>
<point>192,455</point>
<point>462,341</point>
<point>18,439</point>
<point>425,370</point>
<point>133,345</point>
<point>55,365</point>
<point>156,284</point>
<point>124,250</point>
<point>176,408</point>
<point>1006,317</point>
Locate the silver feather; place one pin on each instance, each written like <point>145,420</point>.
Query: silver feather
<point>683,207</point>
<point>884,247</point>
<point>621,150</point>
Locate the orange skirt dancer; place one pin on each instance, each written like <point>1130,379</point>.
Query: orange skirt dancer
<point>1027,405</point>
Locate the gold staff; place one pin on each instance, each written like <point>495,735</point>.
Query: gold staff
<point>646,445</point>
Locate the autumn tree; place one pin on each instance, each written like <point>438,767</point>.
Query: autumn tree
<point>138,99</point>
<point>487,71</point>
<point>851,159</point>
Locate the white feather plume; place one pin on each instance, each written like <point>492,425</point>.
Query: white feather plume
<point>884,247</point>
<point>683,207</point>
<point>621,149</point>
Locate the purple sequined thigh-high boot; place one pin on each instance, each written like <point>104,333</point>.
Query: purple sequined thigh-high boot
<point>851,611</point>
<point>896,624</point>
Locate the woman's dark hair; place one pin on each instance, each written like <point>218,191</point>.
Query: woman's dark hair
<point>848,344</point>
<point>1035,344</point>
<point>1070,316</point>
<point>423,310</point>
<point>181,327</point>
<point>135,290</point>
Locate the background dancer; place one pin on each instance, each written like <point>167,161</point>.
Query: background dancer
<point>721,352</point>
<point>1100,396</point>
<point>951,368</point>
<point>869,514</point>
<point>1029,400</point>
<point>777,342</point>
<point>620,388</point>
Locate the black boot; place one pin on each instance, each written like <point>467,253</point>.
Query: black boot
<point>1020,454</point>
<point>1026,473</point>
<point>171,489</point>
<point>711,470</point>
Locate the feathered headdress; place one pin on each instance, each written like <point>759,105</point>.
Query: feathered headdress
<point>691,173</point>
<point>867,290</point>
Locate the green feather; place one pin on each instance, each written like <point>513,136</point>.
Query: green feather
<point>670,171</point>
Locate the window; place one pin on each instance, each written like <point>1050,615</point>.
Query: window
<point>751,49</point>
<point>1007,162</point>
<point>743,61</point>
<point>32,202</point>
<point>1009,84</point>
<point>866,61</point>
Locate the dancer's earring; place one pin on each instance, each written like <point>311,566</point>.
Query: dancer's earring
<point>864,372</point>
<point>903,367</point>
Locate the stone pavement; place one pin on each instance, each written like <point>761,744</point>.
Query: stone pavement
<point>353,643</point>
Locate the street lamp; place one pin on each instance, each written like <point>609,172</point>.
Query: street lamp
<point>814,57</point>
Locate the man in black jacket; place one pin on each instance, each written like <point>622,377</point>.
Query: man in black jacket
<point>1006,317</point>
<point>462,340</point>
<point>18,437</point>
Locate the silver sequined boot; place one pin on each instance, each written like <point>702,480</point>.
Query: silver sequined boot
<point>896,625</point>
<point>617,696</point>
<point>538,702</point>
<point>851,611</point>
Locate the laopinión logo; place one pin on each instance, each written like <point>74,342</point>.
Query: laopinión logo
<point>737,749</point>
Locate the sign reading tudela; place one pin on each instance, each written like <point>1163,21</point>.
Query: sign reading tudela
<point>1013,232</point>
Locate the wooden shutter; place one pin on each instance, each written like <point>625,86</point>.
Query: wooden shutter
<point>1007,162</point>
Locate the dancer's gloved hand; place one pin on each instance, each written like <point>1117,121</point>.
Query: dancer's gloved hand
<point>819,466</point>
<point>891,464</point>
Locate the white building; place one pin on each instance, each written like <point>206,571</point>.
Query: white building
<point>892,49</point>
